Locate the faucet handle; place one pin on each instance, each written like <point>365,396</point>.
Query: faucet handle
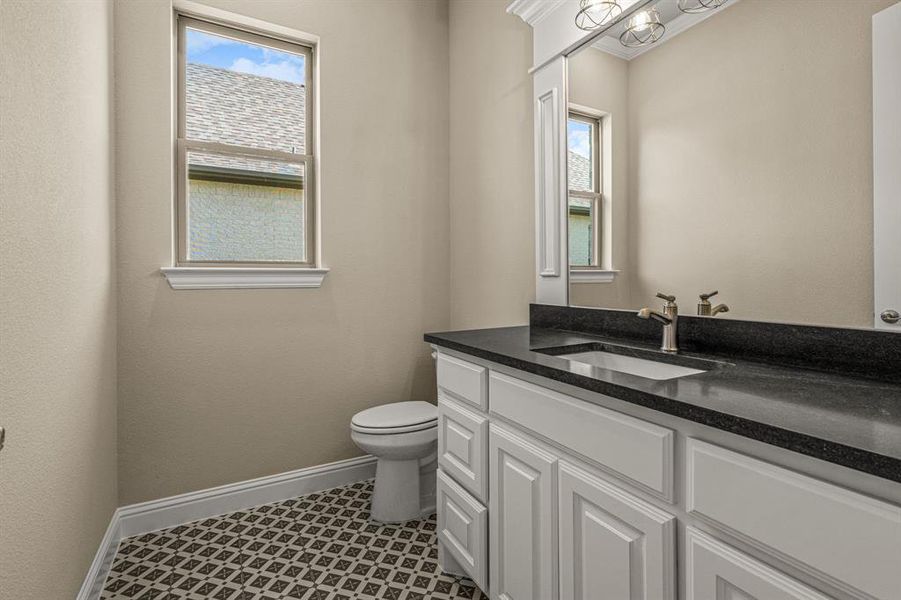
<point>666,297</point>
<point>709,295</point>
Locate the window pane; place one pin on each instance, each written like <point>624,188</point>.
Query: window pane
<point>580,135</point>
<point>581,246</point>
<point>243,94</point>
<point>244,210</point>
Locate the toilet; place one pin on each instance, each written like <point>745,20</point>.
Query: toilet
<point>403,436</point>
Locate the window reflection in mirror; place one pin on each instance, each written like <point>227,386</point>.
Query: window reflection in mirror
<point>583,136</point>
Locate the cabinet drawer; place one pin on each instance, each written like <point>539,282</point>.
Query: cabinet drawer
<point>637,450</point>
<point>463,446</point>
<point>847,539</point>
<point>716,571</point>
<point>463,381</point>
<point>463,529</point>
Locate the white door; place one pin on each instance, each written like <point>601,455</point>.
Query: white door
<point>613,545</point>
<point>887,167</point>
<point>521,544</point>
<point>716,571</point>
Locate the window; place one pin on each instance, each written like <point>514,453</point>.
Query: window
<point>245,149</point>
<point>584,200</point>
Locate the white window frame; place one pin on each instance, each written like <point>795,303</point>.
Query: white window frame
<point>223,275</point>
<point>601,271</point>
<point>595,196</point>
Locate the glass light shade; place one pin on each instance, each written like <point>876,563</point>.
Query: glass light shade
<point>699,6</point>
<point>642,29</point>
<point>594,14</point>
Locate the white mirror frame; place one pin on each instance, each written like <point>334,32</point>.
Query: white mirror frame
<point>554,38</point>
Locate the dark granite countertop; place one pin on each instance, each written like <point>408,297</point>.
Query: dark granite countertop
<point>851,421</point>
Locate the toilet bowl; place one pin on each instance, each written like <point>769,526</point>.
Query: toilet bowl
<point>403,436</point>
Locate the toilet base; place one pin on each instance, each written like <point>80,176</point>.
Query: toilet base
<point>396,495</point>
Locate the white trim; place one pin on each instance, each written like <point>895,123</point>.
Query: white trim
<point>532,11</point>
<point>219,278</point>
<point>209,13</point>
<point>103,559</point>
<point>886,157</point>
<point>548,135</point>
<point>588,111</point>
<point>592,275</point>
<point>685,21</point>
<point>149,516</point>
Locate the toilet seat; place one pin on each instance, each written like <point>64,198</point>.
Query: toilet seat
<point>398,417</point>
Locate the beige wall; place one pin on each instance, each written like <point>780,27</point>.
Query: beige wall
<point>750,166</point>
<point>491,166</point>
<point>222,386</point>
<point>57,302</point>
<point>600,81</point>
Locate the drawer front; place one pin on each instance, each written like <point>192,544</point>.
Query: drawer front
<point>463,380</point>
<point>716,571</point>
<point>612,545</point>
<point>463,529</point>
<point>847,539</point>
<point>634,449</point>
<point>463,446</point>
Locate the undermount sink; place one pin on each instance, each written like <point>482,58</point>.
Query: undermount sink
<point>649,369</point>
<point>632,361</point>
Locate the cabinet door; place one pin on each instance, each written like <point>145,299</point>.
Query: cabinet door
<point>612,545</point>
<point>522,541</point>
<point>716,571</point>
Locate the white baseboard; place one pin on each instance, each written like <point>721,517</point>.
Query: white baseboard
<point>149,516</point>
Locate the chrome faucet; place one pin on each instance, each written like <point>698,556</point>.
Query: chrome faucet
<point>669,317</point>
<point>705,309</point>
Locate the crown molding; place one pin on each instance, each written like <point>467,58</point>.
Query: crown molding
<point>532,11</point>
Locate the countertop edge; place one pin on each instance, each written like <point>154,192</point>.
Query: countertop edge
<point>857,459</point>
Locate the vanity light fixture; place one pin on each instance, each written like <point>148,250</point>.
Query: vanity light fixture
<point>642,29</point>
<point>699,6</point>
<point>594,14</point>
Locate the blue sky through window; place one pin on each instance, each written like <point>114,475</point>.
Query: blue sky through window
<point>226,53</point>
<point>579,137</point>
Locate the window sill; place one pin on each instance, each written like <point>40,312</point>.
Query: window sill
<point>592,275</point>
<point>224,278</point>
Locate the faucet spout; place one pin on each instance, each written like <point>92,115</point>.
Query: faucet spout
<point>647,313</point>
<point>718,309</point>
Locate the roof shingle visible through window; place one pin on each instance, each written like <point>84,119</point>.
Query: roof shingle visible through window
<point>243,110</point>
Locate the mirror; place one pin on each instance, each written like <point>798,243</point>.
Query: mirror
<point>733,155</point>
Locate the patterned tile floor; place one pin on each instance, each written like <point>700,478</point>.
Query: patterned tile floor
<point>316,547</point>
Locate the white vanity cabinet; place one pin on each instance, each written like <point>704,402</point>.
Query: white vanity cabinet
<point>545,496</point>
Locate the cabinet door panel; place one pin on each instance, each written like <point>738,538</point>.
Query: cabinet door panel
<point>716,571</point>
<point>522,540</point>
<point>612,545</point>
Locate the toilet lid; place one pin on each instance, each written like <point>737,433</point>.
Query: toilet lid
<point>399,415</point>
